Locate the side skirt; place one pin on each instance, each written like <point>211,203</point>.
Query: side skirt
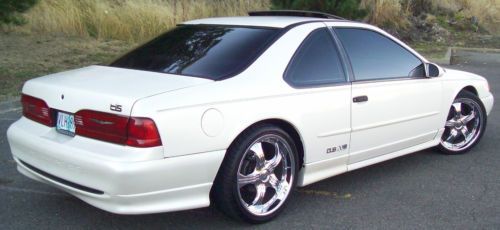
<point>317,171</point>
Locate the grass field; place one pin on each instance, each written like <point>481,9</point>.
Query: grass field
<point>393,12</point>
<point>138,20</point>
<point>130,20</point>
<point>26,56</point>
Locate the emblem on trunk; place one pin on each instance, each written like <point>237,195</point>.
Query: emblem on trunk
<point>117,108</point>
<point>62,96</point>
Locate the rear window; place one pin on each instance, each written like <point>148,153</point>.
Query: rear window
<point>206,51</point>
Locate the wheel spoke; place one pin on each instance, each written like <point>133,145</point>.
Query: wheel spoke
<point>273,182</point>
<point>465,131</point>
<point>283,189</point>
<point>259,154</point>
<point>251,178</point>
<point>458,108</point>
<point>450,123</point>
<point>275,161</point>
<point>259,196</point>
<point>265,207</point>
<point>468,118</point>
<point>262,208</point>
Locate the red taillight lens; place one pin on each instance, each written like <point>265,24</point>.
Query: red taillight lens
<point>142,132</point>
<point>37,110</point>
<point>101,126</point>
<point>136,132</point>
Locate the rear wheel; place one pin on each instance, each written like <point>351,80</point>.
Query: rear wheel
<point>465,124</point>
<point>257,175</point>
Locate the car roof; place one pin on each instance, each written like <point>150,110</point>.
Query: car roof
<point>258,21</point>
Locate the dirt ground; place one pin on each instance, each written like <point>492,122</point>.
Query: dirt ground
<point>24,56</point>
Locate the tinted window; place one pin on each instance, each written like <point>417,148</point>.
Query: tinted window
<point>316,61</point>
<point>374,56</point>
<point>212,52</point>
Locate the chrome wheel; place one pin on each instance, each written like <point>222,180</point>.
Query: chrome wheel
<point>463,126</point>
<point>265,175</point>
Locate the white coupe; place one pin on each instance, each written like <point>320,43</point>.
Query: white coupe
<point>238,111</point>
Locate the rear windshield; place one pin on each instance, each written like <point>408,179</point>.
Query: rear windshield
<point>206,51</point>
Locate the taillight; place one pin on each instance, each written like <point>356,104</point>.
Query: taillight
<point>142,132</point>
<point>37,110</point>
<point>132,131</point>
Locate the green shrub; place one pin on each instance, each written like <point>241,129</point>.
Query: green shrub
<point>10,11</point>
<point>344,8</point>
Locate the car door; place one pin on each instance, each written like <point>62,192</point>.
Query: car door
<point>394,105</point>
<point>318,74</point>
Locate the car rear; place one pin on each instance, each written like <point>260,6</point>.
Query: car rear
<point>77,132</point>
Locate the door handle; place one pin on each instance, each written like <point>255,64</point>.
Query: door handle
<point>359,99</point>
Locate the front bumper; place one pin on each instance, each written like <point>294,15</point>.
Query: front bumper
<point>488,102</point>
<point>94,171</point>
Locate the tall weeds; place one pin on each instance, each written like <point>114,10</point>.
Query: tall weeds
<point>138,20</point>
<point>387,13</point>
<point>131,20</point>
<point>487,12</point>
<point>393,13</point>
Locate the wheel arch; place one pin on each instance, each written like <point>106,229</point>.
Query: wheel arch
<point>470,89</point>
<point>287,127</point>
<point>457,90</point>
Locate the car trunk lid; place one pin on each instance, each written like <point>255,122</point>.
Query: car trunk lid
<point>105,89</point>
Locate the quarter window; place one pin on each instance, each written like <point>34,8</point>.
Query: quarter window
<point>316,61</point>
<point>374,56</point>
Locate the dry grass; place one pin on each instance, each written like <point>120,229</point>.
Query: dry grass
<point>131,20</point>
<point>138,20</point>
<point>387,13</point>
<point>486,11</point>
<point>25,56</point>
<point>393,12</point>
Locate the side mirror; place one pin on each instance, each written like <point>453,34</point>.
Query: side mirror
<point>433,70</point>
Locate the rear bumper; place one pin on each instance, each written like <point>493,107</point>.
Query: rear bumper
<point>126,185</point>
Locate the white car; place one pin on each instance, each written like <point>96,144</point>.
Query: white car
<point>238,111</point>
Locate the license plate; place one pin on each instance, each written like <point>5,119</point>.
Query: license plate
<point>66,123</point>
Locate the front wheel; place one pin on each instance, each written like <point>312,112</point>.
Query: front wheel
<point>257,175</point>
<point>465,124</point>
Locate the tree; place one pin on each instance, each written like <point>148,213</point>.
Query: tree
<point>344,8</point>
<point>10,10</point>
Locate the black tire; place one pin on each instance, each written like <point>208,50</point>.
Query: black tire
<point>465,99</point>
<point>226,192</point>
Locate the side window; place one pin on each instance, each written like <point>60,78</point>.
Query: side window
<point>374,56</point>
<point>316,61</point>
